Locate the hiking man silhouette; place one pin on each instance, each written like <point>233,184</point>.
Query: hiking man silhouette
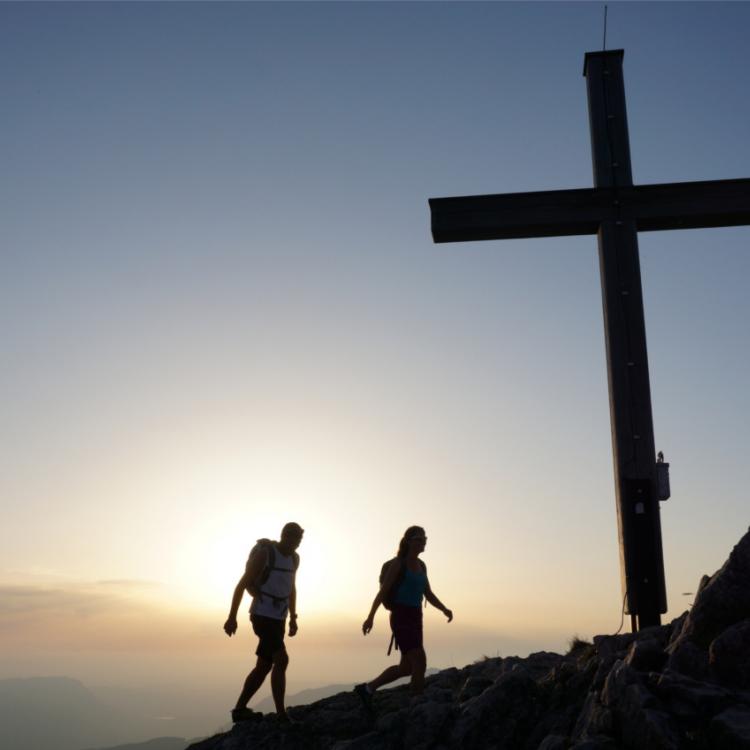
<point>269,578</point>
<point>403,584</point>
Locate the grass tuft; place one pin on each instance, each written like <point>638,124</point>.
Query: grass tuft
<point>579,647</point>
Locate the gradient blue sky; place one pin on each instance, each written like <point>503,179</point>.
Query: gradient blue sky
<point>222,308</point>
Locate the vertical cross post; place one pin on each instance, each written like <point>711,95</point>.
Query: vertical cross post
<point>615,210</point>
<point>639,525</point>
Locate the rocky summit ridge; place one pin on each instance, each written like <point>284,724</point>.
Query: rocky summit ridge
<point>681,685</point>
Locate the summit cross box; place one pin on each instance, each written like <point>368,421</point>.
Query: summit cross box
<point>615,210</point>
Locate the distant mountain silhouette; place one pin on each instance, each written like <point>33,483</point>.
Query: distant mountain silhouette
<point>159,743</point>
<point>60,713</point>
<point>46,713</point>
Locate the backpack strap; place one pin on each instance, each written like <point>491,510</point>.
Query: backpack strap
<point>270,560</point>
<point>255,586</point>
<point>271,563</point>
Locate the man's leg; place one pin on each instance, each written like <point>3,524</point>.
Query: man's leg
<point>418,660</point>
<point>278,680</point>
<point>253,681</point>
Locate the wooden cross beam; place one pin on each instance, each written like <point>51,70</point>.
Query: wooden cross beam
<point>615,210</point>
<point>558,213</point>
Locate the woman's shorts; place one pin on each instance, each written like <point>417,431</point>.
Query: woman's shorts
<point>406,624</point>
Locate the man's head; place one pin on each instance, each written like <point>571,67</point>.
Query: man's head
<point>291,536</point>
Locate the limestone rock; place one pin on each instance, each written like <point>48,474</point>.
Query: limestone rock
<point>723,601</point>
<point>729,656</point>
<point>619,679</point>
<point>596,743</point>
<point>730,730</point>
<point>691,700</point>
<point>594,720</point>
<point>473,687</point>
<point>500,716</point>
<point>686,657</point>
<point>646,655</point>
<point>553,742</point>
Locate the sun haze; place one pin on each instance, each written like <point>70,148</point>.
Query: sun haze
<point>223,310</point>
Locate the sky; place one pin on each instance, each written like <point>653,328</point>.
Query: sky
<point>221,309</point>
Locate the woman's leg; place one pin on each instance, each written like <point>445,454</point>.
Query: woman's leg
<point>391,673</point>
<point>418,664</point>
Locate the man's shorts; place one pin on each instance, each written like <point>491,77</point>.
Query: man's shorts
<point>270,631</point>
<point>406,624</point>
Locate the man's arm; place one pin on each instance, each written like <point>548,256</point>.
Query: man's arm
<point>390,579</point>
<point>432,599</point>
<point>253,571</point>
<point>230,626</point>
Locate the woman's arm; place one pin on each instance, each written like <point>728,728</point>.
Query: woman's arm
<point>432,599</point>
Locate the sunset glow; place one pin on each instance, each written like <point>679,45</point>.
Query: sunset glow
<point>223,310</point>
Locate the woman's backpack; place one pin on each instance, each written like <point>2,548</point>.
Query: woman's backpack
<point>390,595</point>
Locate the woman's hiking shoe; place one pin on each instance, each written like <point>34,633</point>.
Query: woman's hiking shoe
<point>245,714</point>
<point>365,695</point>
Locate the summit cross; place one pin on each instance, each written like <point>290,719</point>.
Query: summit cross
<point>615,210</point>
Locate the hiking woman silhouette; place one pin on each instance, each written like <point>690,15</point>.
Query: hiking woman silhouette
<point>403,584</point>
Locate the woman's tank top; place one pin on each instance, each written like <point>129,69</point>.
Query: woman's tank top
<point>411,589</point>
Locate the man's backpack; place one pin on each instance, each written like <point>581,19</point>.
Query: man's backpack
<point>390,595</point>
<point>267,546</point>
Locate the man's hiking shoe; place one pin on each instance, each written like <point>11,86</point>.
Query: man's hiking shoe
<point>245,714</point>
<point>365,695</point>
